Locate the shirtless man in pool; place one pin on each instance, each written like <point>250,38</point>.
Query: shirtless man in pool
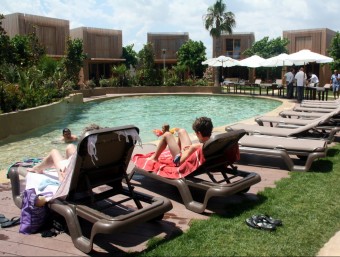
<point>182,149</point>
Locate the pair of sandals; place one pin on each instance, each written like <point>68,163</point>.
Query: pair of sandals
<point>264,222</point>
<point>6,223</point>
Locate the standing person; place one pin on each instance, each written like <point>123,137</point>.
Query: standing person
<point>335,83</point>
<point>300,83</point>
<point>289,77</point>
<point>182,149</point>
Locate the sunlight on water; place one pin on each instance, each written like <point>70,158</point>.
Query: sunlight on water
<point>145,112</point>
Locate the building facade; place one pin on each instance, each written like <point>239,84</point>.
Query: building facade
<point>104,49</point>
<point>233,45</point>
<point>166,45</point>
<point>316,40</point>
<point>52,33</point>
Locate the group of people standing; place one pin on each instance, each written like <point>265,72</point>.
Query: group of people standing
<point>301,81</point>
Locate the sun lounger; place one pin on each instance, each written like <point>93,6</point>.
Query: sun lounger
<point>320,105</point>
<point>278,121</point>
<point>304,115</point>
<point>312,109</point>
<point>93,191</point>
<point>216,176</point>
<point>313,130</point>
<point>278,147</point>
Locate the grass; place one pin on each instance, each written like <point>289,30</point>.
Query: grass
<point>307,203</point>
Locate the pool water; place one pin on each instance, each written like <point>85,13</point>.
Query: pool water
<point>145,112</point>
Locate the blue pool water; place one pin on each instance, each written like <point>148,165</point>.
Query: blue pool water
<point>145,112</point>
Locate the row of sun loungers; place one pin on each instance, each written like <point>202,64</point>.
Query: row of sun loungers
<point>303,132</point>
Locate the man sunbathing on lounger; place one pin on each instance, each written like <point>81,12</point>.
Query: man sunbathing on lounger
<point>55,159</point>
<point>183,148</point>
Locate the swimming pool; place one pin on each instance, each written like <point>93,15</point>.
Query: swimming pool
<point>145,112</point>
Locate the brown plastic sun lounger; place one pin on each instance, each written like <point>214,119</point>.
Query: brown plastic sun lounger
<point>283,148</point>
<point>216,176</point>
<point>278,121</point>
<point>313,109</point>
<point>305,115</point>
<point>96,192</point>
<point>313,130</point>
<point>320,105</point>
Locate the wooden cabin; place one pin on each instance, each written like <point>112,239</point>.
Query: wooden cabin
<point>104,49</point>
<point>316,40</point>
<point>51,32</point>
<point>166,45</point>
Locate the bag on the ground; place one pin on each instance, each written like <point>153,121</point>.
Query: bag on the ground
<point>32,217</point>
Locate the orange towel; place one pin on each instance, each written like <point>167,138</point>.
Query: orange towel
<point>166,168</point>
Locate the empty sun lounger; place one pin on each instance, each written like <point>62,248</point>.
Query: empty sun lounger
<point>278,147</point>
<point>93,190</point>
<point>320,105</point>
<point>313,130</point>
<point>312,109</point>
<point>278,121</point>
<point>216,176</point>
<point>304,115</point>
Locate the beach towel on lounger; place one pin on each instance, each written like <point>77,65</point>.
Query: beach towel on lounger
<point>165,167</point>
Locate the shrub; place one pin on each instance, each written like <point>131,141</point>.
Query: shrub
<point>104,82</point>
<point>90,84</point>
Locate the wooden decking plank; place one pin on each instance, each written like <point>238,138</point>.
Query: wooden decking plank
<point>62,243</point>
<point>15,248</point>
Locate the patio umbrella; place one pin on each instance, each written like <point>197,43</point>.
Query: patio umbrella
<point>252,61</point>
<point>279,60</point>
<point>222,60</point>
<point>305,56</point>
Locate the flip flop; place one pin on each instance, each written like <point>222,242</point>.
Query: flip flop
<point>270,220</point>
<point>3,219</point>
<point>255,222</point>
<point>13,222</point>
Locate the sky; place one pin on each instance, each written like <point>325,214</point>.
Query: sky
<point>265,18</point>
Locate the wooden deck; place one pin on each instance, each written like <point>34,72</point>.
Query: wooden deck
<point>176,221</point>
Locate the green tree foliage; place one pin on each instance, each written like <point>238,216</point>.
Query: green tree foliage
<point>27,50</point>
<point>5,45</point>
<point>130,56</point>
<point>28,78</point>
<point>334,52</point>
<point>74,59</point>
<point>268,48</point>
<point>146,73</point>
<point>217,21</point>
<point>119,72</point>
<point>191,55</point>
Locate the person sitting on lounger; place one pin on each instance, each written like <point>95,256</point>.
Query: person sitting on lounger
<point>55,159</point>
<point>182,149</point>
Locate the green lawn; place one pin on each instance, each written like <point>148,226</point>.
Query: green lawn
<point>308,203</point>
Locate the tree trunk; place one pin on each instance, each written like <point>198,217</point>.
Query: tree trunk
<point>217,77</point>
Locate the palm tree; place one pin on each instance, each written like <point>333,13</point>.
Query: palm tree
<point>218,21</point>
